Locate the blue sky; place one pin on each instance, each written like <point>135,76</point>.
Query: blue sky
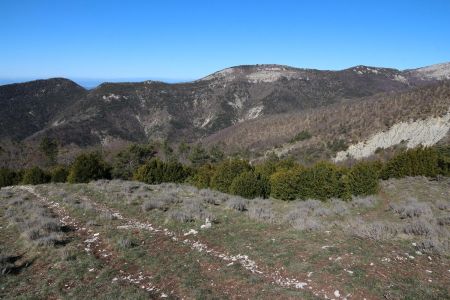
<point>182,40</point>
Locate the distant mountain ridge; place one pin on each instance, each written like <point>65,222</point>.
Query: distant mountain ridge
<point>138,112</point>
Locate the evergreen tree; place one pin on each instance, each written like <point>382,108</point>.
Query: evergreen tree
<point>87,167</point>
<point>226,172</point>
<point>35,175</point>
<point>126,162</point>
<point>50,149</point>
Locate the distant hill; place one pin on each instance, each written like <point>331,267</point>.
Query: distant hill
<point>417,116</point>
<point>215,108</point>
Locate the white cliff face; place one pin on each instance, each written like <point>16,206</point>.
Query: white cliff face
<point>421,132</point>
<point>439,71</point>
<point>272,74</point>
<point>264,73</point>
<point>252,113</point>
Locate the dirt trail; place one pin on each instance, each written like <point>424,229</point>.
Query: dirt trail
<point>94,244</point>
<point>273,276</point>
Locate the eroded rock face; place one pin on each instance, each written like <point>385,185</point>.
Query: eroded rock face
<point>438,71</point>
<point>420,132</point>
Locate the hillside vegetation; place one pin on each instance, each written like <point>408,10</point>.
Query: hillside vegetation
<point>120,239</point>
<point>319,102</point>
<point>333,128</point>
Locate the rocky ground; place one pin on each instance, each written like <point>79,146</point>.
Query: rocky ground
<point>120,239</point>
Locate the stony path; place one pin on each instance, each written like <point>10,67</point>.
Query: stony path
<point>272,276</point>
<point>95,245</point>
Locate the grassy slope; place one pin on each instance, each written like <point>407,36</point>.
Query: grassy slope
<point>329,256</point>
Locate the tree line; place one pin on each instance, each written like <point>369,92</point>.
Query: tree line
<point>279,178</point>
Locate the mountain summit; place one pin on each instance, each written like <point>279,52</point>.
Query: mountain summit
<point>138,112</point>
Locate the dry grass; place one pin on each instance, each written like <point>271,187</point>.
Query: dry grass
<point>35,221</point>
<point>411,208</point>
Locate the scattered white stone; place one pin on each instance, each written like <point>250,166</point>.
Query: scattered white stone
<point>428,271</point>
<point>91,270</point>
<point>205,226</point>
<point>191,232</point>
<point>337,294</point>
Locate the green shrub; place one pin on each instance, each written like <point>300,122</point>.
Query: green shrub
<point>444,160</point>
<point>126,162</point>
<point>284,184</point>
<point>49,147</point>
<point>226,172</point>
<point>35,175</point>
<point>9,177</point>
<point>337,145</point>
<point>322,181</point>
<point>364,178</point>
<point>202,176</point>
<point>176,172</point>
<point>301,136</point>
<point>413,162</point>
<point>216,154</point>
<point>87,167</point>
<point>267,168</point>
<point>59,174</point>
<point>156,171</point>
<point>199,156</point>
<point>249,185</point>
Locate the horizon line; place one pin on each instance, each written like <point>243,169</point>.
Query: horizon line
<point>90,82</point>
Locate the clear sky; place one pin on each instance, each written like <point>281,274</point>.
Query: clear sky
<point>181,40</point>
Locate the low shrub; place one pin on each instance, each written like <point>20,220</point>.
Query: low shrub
<point>156,171</point>
<point>285,184</point>
<point>190,211</point>
<point>374,230</point>
<point>237,203</point>
<point>413,162</point>
<point>364,178</point>
<point>226,172</point>
<point>249,185</point>
<point>322,181</point>
<point>59,174</point>
<point>162,202</point>
<point>418,227</point>
<point>126,162</point>
<point>364,201</point>
<point>35,175</point>
<point>9,177</point>
<point>87,167</point>
<point>261,209</point>
<point>301,136</point>
<point>411,209</point>
<point>202,176</point>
